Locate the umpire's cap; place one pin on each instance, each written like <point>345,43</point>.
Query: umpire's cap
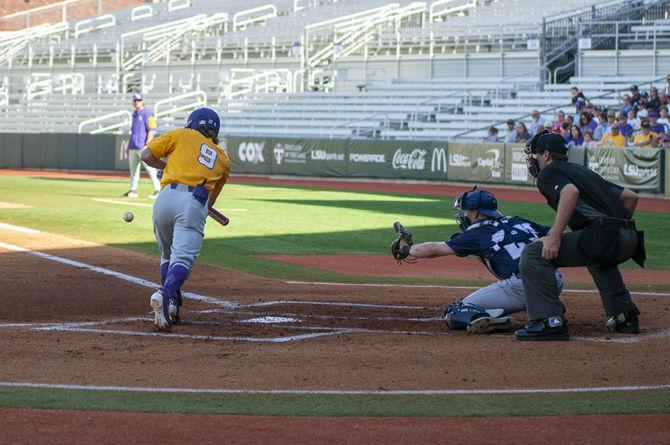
<point>480,200</point>
<point>203,118</point>
<point>547,141</point>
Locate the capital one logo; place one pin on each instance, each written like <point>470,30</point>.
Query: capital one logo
<point>439,160</point>
<point>251,152</point>
<point>279,153</point>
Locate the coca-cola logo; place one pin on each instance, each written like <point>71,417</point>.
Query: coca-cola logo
<point>414,160</point>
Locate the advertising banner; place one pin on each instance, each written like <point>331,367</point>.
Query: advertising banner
<point>635,168</point>
<point>397,159</point>
<point>249,154</point>
<point>310,157</point>
<point>476,162</point>
<point>516,170</point>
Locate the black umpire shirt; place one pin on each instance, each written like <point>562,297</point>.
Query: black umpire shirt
<point>598,198</point>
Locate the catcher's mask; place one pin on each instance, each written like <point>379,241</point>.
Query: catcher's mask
<point>480,200</point>
<point>541,142</point>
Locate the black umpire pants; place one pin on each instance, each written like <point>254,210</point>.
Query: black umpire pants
<point>539,282</point>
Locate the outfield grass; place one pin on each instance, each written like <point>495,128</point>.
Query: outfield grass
<point>629,402</point>
<point>266,219</point>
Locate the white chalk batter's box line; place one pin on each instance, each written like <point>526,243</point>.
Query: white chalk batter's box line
<point>90,327</point>
<point>235,305</point>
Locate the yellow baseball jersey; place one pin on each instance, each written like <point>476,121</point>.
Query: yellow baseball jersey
<point>191,159</point>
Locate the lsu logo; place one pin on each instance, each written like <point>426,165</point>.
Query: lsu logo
<point>251,152</point>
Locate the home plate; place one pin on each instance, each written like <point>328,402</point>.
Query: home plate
<point>271,320</point>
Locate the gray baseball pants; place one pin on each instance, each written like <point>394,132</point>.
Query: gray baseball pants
<point>179,225</point>
<point>542,294</point>
<point>134,161</point>
<point>507,294</point>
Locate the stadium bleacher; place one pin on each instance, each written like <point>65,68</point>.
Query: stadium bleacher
<point>289,67</point>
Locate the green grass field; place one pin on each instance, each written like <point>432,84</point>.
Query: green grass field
<point>266,220</point>
<point>269,219</point>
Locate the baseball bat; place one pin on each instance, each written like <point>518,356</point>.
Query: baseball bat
<point>218,216</point>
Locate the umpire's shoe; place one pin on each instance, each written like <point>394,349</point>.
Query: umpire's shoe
<point>159,303</point>
<point>546,329</point>
<point>625,322</point>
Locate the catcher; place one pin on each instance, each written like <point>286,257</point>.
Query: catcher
<point>497,241</point>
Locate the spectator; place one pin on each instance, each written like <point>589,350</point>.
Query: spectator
<point>570,119</point>
<point>586,122</point>
<point>576,94</point>
<point>635,95</point>
<point>614,138</point>
<point>565,131</point>
<point>142,131</point>
<point>664,116</point>
<point>580,106</point>
<point>510,135</point>
<point>633,120</point>
<point>654,100</point>
<point>588,140</point>
<point>611,119</point>
<point>492,135</point>
<point>646,137</point>
<point>655,126</point>
<point>624,127</point>
<point>665,140</point>
<point>627,104</point>
<point>663,98</point>
<point>537,121</point>
<point>602,127</point>
<point>522,135</point>
<point>560,118</point>
<point>642,112</point>
<point>576,137</point>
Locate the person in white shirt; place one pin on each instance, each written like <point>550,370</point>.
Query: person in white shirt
<point>537,122</point>
<point>664,116</point>
<point>633,120</point>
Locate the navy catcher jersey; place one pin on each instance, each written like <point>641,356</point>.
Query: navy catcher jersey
<point>498,242</point>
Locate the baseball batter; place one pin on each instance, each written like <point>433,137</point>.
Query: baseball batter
<point>196,170</point>
<point>497,241</point>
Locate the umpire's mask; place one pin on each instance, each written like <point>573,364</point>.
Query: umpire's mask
<point>541,142</point>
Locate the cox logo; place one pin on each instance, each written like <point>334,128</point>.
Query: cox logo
<point>251,152</point>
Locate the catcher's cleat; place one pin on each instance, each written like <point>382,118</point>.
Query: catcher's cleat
<point>159,303</point>
<point>486,325</point>
<point>173,309</point>
<point>625,322</point>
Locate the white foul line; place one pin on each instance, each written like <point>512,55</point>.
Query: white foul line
<point>446,286</point>
<point>18,229</point>
<point>120,202</point>
<point>119,275</point>
<point>399,392</point>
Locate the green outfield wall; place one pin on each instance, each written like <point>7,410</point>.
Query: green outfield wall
<point>642,169</point>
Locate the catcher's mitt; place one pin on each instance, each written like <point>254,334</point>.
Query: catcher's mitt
<point>400,247</point>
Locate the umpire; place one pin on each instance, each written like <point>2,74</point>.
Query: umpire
<point>603,235</point>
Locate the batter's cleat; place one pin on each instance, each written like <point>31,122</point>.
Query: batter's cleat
<point>159,304</point>
<point>546,329</point>
<point>131,194</point>
<point>173,309</point>
<point>625,322</point>
<point>486,325</point>
<point>154,195</point>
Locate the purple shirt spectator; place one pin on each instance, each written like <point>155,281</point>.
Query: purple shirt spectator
<point>625,129</point>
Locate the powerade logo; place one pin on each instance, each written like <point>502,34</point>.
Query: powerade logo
<point>367,158</point>
<point>251,152</point>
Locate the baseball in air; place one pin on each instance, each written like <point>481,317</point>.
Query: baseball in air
<point>128,216</point>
